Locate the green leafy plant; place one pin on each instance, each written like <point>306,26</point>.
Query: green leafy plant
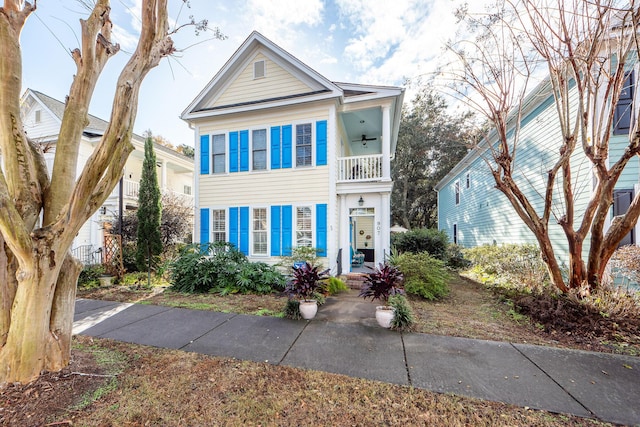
<point>307,280</point>
<point>403,319</point>
<point>292,309</point>
<point>424,275</point>
<point>89,276</point>
<point>335,286</point>
<point>385,280</point>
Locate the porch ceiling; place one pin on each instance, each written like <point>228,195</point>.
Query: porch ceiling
<point>367,122</point>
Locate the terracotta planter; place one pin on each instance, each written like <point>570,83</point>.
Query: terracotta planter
<point>308,309</point>
<point>384,315</point>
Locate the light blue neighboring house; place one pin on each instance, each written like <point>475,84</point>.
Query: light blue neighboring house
<point>473,212</point>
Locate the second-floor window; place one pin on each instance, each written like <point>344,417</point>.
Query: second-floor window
<point>260,231</point>
<point>219,225</point>
<point>303,145</point>
<point>304,233</point>
<point>259,149</point>
<point>457,190</point>
<point>622,116</point>
<point>218,153</point>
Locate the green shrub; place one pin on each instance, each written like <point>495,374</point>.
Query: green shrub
<point>424,275</point>
<point>301,254</point>
<point>335,286</point>
<point>455,257</point>
<point>221,268</point>
<point>292,309</point>
<point>514,265</point>
<point>403,319</point>
<point>428,240</point>
<point>89,276</point>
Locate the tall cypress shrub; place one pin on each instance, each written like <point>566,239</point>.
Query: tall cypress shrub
<point>149,242</point>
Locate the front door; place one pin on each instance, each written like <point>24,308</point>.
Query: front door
<point>362,235</point>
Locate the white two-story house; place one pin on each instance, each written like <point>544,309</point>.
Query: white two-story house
<point>42,117</point>
<point>286,158</point>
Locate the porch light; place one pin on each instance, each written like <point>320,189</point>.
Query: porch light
<point>361,201</point>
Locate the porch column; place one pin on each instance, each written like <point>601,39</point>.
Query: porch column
<point>163,175</point>
<point>343,216</point>
<point>383,222</point>
<point>386,143</point>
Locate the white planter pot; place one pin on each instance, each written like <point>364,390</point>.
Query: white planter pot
<point>384,315</point>
<point>308,309</point>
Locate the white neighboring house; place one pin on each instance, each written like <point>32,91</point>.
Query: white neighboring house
<point>42,117</point>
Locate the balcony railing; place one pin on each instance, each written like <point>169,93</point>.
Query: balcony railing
<point>130,190</point>
<point>360,168</point>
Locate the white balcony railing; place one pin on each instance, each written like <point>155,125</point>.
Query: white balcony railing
<point>360,168</point>
<point>130,190</point>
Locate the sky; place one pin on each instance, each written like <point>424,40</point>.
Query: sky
<point>378,42</point>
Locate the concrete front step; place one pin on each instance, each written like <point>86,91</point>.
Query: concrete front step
<point>355,280</point>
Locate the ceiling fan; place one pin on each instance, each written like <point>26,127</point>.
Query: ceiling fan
<point>364,139</point>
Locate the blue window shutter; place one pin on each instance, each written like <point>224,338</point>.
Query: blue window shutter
<point>275,147</point>
<point>286,146</point>
<point>244,230</point>
<point>233,226</point>
<point>287,226</point>
<point>321,229</point>
<point>233,151</point>
<point>204,225</point>
<point>244,150</point>
<point>321,143</point>
<point>276,232</point>
<point>204,154</point>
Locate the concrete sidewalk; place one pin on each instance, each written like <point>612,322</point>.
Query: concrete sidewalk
<point>344,339</point>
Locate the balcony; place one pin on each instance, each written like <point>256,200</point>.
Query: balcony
<point>131,189</point>
<point>361,168</point>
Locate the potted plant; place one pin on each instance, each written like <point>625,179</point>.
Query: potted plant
<point>305,283</point>
<point>384,281</point>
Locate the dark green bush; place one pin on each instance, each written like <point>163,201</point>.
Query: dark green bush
<point>403,319</point>
<point>89,276</point>
<point>292,309</point>
<point>424,275</point>
<point>221,268</point>
<point>428,240</point>
<point>455,258</point>
<point>129,257</point>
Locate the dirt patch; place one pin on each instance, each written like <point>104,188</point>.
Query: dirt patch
<point>578,324</point>
<point>53,395</point>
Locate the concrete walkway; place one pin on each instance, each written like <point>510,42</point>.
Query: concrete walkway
<point>344,339</point>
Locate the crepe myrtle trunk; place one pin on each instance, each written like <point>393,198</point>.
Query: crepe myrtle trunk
<point>38,275</point>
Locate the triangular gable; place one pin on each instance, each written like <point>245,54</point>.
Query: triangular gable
<point>235,88</point>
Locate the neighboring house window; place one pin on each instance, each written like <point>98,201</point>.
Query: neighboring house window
<point>187,190</point>
<point>259,69</point>
<point>468,180</point>
<point>304,232</point>
<point>260,231</point>
<point>457,189</point>
<point>303,145</point>
<point>38,116</point>
<point>259,139</point>
<point>455,234</point>
<point>622,117</point>
<point>219,146</point>
<point>219,225</point>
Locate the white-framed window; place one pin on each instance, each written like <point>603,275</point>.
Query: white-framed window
<point>38,116</point>
<point>259,69</point>
<point>218,153</point>
<point>259,230</point>
<point>303,145</point>
<point>187,190</point>
<point>457,191</point>
<point>304,231</point>
<point>259,149</point>
<point>219,225</point>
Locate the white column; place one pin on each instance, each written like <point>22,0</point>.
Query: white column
<point>386,143</point>
<point>343,214</point>
<point>384,235</point>
<point>163,175</point>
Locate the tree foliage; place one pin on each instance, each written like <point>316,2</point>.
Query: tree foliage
<point>149,240</point>
<point>586,49</point>
<point>431,141</point>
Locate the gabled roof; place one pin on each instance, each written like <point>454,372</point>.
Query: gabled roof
<point>319,86</point>
<point>96,126</point>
